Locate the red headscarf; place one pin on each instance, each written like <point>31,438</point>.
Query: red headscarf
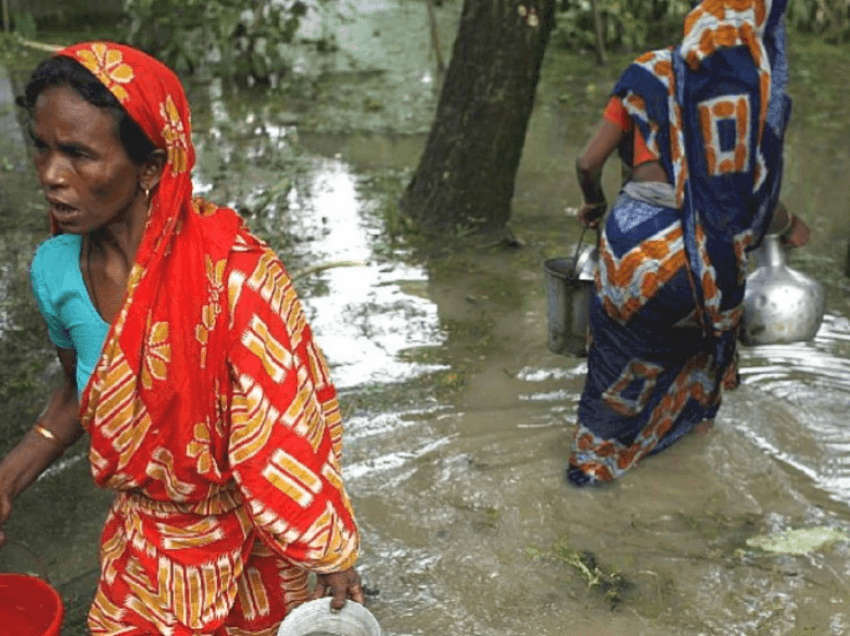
<point>169,286</point>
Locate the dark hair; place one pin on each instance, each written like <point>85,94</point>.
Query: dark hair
<point>65,71</point>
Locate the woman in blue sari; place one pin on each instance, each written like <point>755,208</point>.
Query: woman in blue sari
<point>701,127</point>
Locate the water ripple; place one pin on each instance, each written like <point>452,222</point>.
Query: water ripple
<point>795,403</point>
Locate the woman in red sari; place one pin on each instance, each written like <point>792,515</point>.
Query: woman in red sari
<point>188,361</point>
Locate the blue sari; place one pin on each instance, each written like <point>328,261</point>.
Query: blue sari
<point>670,286</point>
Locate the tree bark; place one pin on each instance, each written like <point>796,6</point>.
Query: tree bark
<point>597,30</point>
<point>465,178</point>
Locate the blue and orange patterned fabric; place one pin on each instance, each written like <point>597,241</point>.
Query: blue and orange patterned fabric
<point>211,410</point>
<point>671,280</point>
<point>616,113</point>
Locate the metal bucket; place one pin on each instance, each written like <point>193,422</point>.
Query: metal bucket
<point>569,284</point>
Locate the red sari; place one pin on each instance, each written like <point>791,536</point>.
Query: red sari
<point>211,411</point>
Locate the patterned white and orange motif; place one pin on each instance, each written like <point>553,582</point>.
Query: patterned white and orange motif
<point>721,320</point>
<point>725,123</point>
<point>607,459</point>
<point>660,64</point>
<point>646,373</point>
<point>716,24</point>
<point>174,133</point>
<point>627,283</point>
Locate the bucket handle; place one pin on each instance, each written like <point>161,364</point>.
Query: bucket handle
<point>581,238</point>
<point>578,247</point>
<point>41,566</point>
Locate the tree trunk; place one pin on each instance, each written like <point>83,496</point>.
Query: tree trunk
<point>597,30</point>
<point>465,178</point>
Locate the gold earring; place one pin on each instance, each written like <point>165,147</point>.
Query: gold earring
<point>147,193</point>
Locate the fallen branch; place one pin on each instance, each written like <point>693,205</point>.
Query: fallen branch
<point>323,266</point>
<point>42,46</point>
<point>435,42</point>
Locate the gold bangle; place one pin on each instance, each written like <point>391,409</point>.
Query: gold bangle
<point>48,435</point>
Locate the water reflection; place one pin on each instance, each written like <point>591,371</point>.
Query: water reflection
<point>368,310</point>
<point>366,318</point>
<point>798,411</point>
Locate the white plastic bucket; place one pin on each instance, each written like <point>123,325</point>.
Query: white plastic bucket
<point>315,618</point>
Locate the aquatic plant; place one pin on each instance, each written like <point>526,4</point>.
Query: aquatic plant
<point>611,582</point>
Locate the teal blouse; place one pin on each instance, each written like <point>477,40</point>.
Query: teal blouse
<point>62,297</point>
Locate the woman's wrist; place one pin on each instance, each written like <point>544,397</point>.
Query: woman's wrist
<point>789,227</point>
<point>22,466</point>
<point>779,226</point>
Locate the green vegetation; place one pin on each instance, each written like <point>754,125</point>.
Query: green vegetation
<point>250,42</point>
<point>626,24</point>
<point>15,55</point>
<point>223,38</point>
<point>829,18</point>
<point>631,25</point>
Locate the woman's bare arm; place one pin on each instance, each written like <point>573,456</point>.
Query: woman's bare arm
<point>589,171</point>
<point>57,428</point>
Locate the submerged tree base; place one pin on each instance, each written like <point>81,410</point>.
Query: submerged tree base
<point>465,179</point>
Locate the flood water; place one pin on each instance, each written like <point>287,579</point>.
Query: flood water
<point>458,417</point>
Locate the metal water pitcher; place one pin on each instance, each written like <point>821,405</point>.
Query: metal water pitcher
<point>781,305</point>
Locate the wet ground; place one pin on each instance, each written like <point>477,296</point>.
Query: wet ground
<point>458,417</point>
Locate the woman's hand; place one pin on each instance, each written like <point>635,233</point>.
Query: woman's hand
<point>797,235</point>
<point>590,213</point>
<point>57,428</point>
<point>341,585</point>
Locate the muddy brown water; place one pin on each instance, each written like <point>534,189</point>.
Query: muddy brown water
<point>458,417</point>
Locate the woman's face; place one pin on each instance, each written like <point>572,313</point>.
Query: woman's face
<point>88,178</point>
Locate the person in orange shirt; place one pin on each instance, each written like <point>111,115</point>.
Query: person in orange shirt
<point>700,126</point>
